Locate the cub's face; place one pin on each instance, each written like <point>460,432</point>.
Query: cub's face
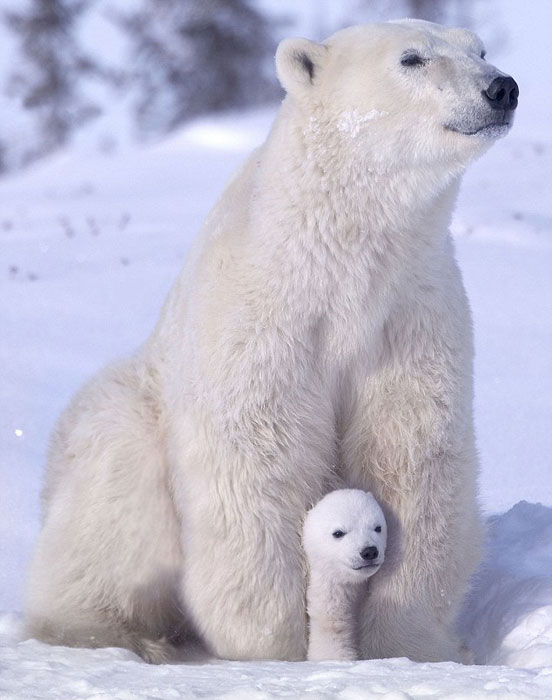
<point>408,91</point>
<point>345,535</point>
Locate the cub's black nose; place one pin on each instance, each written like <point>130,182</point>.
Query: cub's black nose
<point>369,553</point>
<point>502,93</point>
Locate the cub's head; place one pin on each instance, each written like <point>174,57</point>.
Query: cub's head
<point>408,91</point>
<point>345,534</point>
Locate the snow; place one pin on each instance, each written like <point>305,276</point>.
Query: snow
<point>507,618</point>
<point>37,671</point>
<point>90,243</point>
<point>351,121</point>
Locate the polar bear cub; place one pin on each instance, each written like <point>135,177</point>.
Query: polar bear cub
<point>344,536</point>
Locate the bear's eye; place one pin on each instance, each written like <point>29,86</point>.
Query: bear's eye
<point>338,533</point>
<point>378,528</point>
<point>483,54</point>
<point>412,58</point>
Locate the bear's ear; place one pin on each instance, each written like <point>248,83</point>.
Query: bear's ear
<point>298,62</point>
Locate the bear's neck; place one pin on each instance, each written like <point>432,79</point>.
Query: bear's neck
<point>332,606</point>
<point>315,181</point>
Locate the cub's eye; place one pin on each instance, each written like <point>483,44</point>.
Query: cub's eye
<point>412,58</point>
<point>378,528</point>
<point>338,533</point>
<point>483,54</point>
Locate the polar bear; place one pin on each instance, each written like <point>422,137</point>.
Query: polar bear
<point>344,537</point>
<point>319,335</point>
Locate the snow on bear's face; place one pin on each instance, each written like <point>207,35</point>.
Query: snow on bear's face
<point>404,92</point>
<point>345,535</point>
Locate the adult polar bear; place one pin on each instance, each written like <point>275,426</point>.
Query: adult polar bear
<point>319,335</point>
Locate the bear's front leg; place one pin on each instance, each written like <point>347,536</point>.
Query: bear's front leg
<point>243,494</point>
<point>410,441</point>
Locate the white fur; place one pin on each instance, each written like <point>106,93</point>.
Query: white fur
<point>319,335</point>
<point>337,535</point>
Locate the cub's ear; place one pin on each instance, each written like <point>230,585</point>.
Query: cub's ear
<point>298,62</point>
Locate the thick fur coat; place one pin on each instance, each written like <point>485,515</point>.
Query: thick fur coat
<point>318,336</point>
<point>344,538</point>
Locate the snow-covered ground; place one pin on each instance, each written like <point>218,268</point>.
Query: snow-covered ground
<point>89,246</point>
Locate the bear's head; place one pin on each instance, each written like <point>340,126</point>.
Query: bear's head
<point>345,535</point>
<point>404,92</point>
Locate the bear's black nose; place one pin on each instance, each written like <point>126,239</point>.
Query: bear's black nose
<point>369,553</point>
<point>502,93</point>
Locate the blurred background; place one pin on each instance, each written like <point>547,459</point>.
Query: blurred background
<point>138,69</point>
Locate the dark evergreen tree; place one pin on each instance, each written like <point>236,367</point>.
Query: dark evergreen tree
<point>197,56</point>
<point>432,10</point>
<point>48,79</point>
<point>444,11</point>
<point>449,12</point>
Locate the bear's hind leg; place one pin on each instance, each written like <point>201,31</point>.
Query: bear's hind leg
<point>108,560</point>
